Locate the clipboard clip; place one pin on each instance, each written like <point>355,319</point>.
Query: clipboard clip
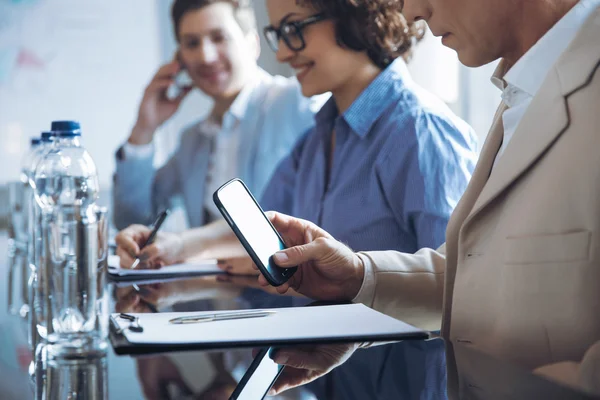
<point>133,326</point>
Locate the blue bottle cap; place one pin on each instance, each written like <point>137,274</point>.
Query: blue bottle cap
<point>35,141</point>
<point>47,136</point>
<point>66,128</point>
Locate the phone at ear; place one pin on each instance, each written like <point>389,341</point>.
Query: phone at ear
<point>181,81</point>
<point>253,229</point>
<point>259,378</point>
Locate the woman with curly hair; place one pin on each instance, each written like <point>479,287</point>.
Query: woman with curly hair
<point>383,168</point>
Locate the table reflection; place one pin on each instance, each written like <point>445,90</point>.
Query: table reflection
<point>207,375</point>
<point>72,379</point>
<point>198,375</point>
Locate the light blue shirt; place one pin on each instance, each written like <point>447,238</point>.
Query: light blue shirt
<point>270,117</point>
<point>401,162</point>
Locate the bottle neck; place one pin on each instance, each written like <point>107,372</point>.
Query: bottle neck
<point>70,141</point>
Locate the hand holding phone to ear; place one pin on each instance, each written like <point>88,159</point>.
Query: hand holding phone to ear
<point>155,107</point>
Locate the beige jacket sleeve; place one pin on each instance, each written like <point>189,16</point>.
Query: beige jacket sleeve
<point>408,287</point>
<point>584,375</point>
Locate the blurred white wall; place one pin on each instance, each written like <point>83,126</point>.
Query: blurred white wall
<point>68,59</point>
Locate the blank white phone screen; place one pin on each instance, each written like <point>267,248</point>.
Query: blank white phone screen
<point>252,223</point>
<point>261,380</point>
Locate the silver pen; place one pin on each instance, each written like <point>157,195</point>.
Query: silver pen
<point>193,319</point>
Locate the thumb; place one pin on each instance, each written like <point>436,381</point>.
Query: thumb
<point>297,255</point>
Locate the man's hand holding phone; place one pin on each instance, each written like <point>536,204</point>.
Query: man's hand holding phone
<point>327,269</point>
<point>156,108</point>
<point>290,252</point>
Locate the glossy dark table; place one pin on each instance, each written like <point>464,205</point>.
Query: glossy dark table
<point>204,374</point>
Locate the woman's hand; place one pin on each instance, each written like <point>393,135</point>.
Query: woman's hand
<point>166,249</point>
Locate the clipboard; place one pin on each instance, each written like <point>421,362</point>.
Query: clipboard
<point>177,271</point>
<point>345,323</point>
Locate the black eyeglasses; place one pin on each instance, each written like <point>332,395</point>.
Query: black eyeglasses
<point>291,33</point>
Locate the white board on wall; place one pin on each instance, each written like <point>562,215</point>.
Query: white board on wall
<point>72,59</point>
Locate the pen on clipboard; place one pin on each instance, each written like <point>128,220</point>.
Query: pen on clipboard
<point>159,221</point>
<point>194,319</point>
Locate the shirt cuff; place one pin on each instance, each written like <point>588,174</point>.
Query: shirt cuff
<point>138,151</point>
<point>366,294</point>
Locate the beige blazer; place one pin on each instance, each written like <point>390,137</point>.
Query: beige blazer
<point>519,275</point>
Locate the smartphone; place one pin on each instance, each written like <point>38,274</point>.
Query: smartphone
<point>254,230</point>
<point>260,377</point>
<point>181,81</point>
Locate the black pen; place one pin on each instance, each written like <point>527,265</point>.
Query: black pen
<point>159,221</point>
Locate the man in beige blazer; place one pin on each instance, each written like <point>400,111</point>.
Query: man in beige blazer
<point>519,275</point>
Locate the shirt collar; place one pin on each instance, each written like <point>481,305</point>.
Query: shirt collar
<point>530,71</point>
<point>372,102</point>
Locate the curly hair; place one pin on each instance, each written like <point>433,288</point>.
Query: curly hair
<point>244,13</point>
<point>375,26</point>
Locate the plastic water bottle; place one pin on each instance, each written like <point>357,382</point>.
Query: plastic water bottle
<point>19,224</point>
<point>35,298</point>
<point>19,199</point>
<point>33,233</point>
<point>27,171</point>
<point>27,160</point>
<point>46,141</point>
<point>66,190</point>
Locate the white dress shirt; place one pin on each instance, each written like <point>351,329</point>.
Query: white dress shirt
<point>223,164</point>
<point>519,86</point>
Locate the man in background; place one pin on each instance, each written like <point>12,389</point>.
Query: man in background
<point>255,120</point>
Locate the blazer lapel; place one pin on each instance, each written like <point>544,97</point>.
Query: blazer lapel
<point>544,121</point>
<point>547,117</point>
<point>480,175</point>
